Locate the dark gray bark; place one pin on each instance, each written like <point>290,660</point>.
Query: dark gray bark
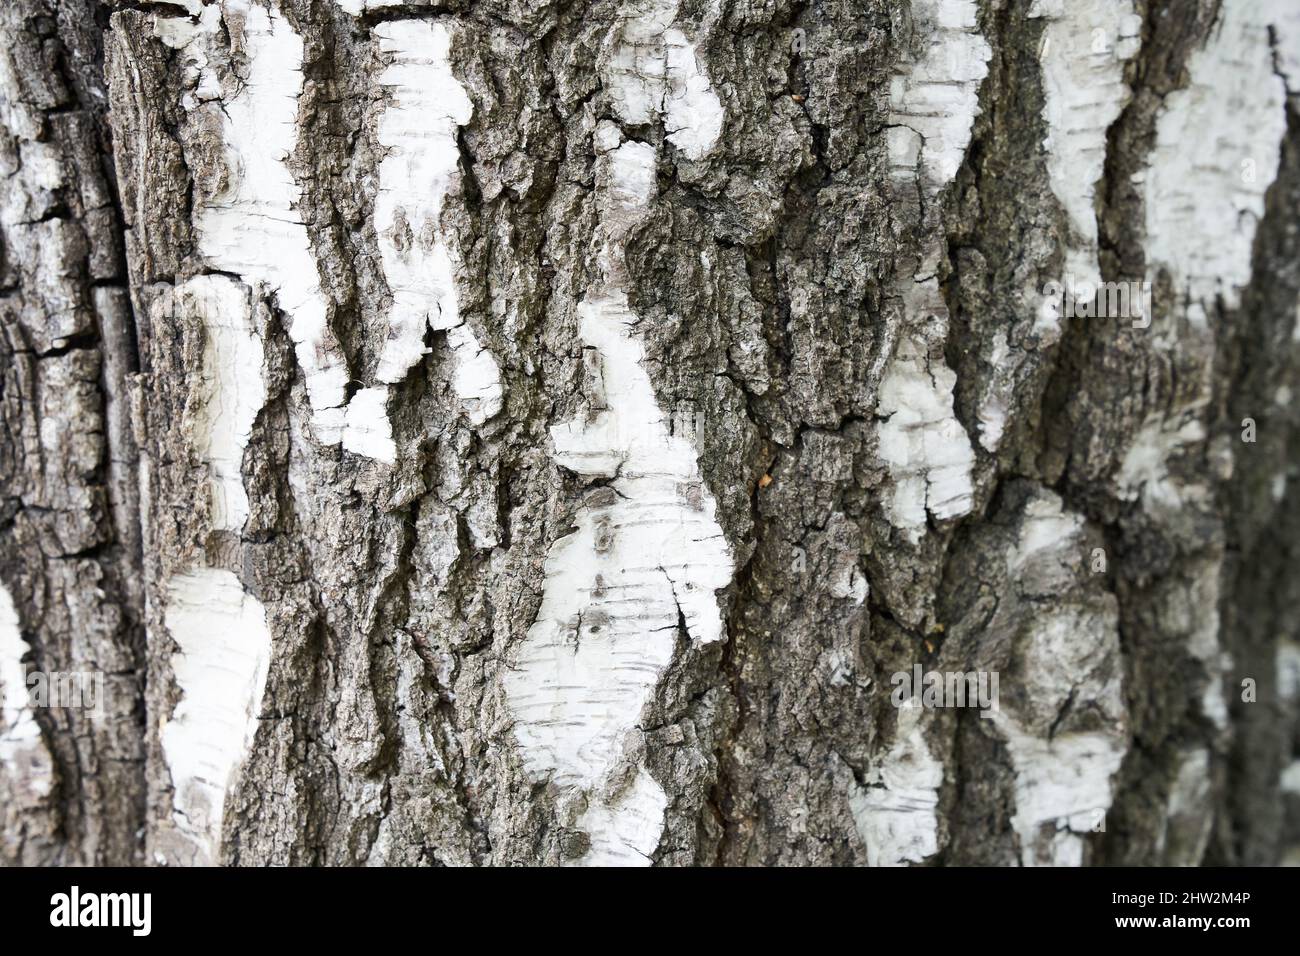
<point>69,550</point>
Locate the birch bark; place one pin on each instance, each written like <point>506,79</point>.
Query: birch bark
<point>537,432</point>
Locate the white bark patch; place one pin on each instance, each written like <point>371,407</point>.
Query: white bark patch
<point>1084,47</point>
<point>1189,817</point>
<point>624,828</point>
<point>934,98</point>
<point>476,379</point>
<point>1063,784</point>
<point>253,227</point>
<point>993,409</point>
<point>1290,781</point>
<point>366,428</point>
<point>1287,664</point>
<point>23,753</point>
<point>231,389</point>
<point>418,127</point>
<point>358,7</point>
<point>1144,472</point>
<point>654,73</point>
<point>1203,204</point>
<point>1201,623</point>
<point>896,812</point>
<point>1286,23</point>
<point>928,452</point>
<point>224,649</point>
<point>1063,790</point>
<point>646,560</point>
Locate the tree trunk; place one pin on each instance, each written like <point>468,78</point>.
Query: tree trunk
<point>528,431</point>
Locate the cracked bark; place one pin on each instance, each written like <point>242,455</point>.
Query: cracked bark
<point>69,528</point>
<point>831,283</point>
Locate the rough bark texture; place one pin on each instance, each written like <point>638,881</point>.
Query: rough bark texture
<point>510,432</point>
<point>70,545</point>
